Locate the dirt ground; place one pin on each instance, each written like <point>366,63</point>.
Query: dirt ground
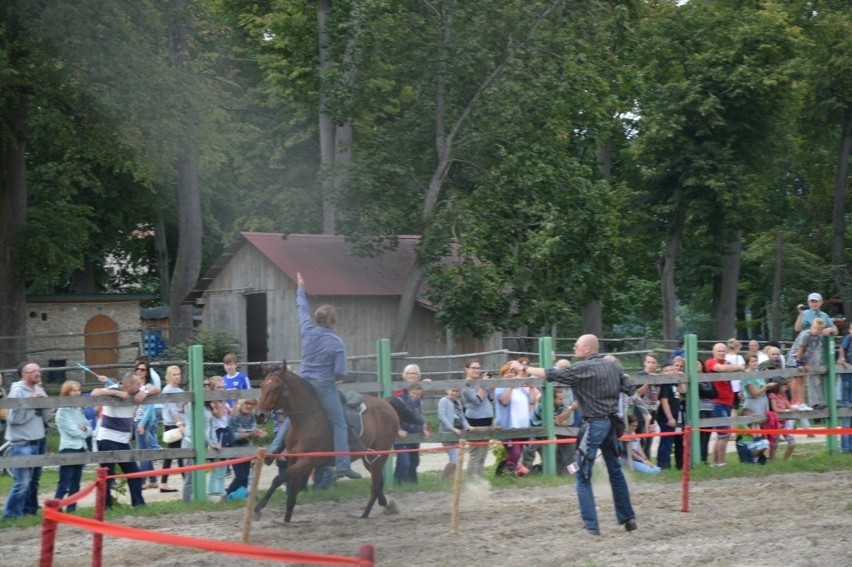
<point>793,520</point>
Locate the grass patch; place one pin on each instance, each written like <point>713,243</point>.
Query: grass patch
<point>807,458</point>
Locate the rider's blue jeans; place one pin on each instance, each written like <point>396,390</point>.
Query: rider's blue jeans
<point>329,397</point>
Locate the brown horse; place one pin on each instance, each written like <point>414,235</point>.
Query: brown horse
<point>310,432</point>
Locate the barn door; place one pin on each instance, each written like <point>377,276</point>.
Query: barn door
<point>256,333</point>
<point>101,345</point>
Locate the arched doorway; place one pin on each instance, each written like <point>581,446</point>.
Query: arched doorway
<point>101,345</point>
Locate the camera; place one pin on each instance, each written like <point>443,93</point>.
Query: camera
<point>801,307</point>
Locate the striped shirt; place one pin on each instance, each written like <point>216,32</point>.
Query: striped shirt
<point>597,384</point>
<point>117,422</point>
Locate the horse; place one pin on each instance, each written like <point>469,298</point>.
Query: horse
<point>310,432</point>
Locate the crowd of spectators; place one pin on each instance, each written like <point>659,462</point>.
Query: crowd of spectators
<point>776,403</point>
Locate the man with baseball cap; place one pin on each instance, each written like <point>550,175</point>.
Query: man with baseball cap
<point>811,311</point>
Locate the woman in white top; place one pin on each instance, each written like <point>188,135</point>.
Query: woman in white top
<point>513,412</point>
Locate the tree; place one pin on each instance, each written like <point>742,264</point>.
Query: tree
<point>719,93</point>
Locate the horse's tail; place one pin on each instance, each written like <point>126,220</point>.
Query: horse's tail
<point>405,415</point>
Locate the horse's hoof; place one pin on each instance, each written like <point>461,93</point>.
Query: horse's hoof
<point>391,508</point>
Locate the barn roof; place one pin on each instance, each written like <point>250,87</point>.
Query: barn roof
<point>327,264</point>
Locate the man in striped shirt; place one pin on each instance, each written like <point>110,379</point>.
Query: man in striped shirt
<point>116,429</point>
<point>598,384</point>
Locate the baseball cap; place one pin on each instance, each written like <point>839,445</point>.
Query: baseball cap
<point>814,297</point>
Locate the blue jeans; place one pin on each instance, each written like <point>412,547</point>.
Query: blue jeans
<point>641,467</point>
<point>846,440</point>
<point>664,449</point>
<point>277,445</point>
<point>845,389</point>
<point>146,441</point>
<point>23,476</point>
<point>597,434</point>
<point>69,479</point>
<point>406,464</point>
<point>134,485</point>
<point>329,397</point>
<point>31,503</point>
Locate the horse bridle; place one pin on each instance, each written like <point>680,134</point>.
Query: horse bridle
<point>279,394</point>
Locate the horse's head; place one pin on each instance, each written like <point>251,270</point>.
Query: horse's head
<point>273,392</point>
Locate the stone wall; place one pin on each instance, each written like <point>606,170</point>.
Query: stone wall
<point>56,332</point>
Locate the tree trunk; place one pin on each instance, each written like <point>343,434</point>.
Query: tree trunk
<point>775,317</point>
<point>326,125</point>
<point>190,227</point>
<point>667,276</point>
<point>13,214</point>
<point>445,137</point>
<point>591,318</point>
<point>727,312</point>
<point>842,268</point>
<point>188,261</point>
<point>161,245</point>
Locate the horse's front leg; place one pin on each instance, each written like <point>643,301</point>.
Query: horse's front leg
<point>279,479</point>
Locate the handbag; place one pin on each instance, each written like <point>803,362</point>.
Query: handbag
<point>707,391</point>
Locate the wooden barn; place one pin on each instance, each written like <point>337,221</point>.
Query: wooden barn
<point>251,293</point>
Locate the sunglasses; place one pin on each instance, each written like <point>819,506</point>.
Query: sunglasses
<point>206,384</point>
<point>141,369</point>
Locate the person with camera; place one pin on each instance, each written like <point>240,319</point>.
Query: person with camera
<point>808,313</point>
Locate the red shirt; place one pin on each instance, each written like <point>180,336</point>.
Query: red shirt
<point>723,387</point>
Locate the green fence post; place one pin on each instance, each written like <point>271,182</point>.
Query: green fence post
<point>692,414</point>
<point>830,390</point>
<point>548,453</point>
<point>383,370</point>
<point>195,357</point>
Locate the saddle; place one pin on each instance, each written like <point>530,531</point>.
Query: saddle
<point>353,410</point>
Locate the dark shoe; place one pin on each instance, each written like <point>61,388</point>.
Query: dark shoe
<point>593,531</point>
<point>630,525</point>
<point>348,474</point>
<point>168,490</point>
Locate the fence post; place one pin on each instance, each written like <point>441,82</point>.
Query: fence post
<point>692,401</point>
<point>830,390</point>
<point>48,535</point>
<point>383,369</point>
<point>195,356</point>
<point>100,512</point>
<point>548,451</point>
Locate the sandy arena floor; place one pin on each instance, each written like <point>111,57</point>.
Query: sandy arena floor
<point>791,520</point>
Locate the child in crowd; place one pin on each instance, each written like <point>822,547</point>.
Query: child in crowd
<point>218,435</point>
<point>639,461</point>
<point>452,419</point>
<point>407,463</point>
<point>233,379</point>
<point>244,428</point>
<point>752,448</point>
<point>172,416</point>
<point>780,404</point>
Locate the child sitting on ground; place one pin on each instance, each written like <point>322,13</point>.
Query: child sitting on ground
<point>752,448</point>
<point>780,404</point>
<point>639,461</point>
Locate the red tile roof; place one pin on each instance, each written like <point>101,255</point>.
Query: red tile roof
<point>326,263</point>
<point>328,266</point>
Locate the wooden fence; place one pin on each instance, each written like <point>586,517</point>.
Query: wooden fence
<point>56,459</point>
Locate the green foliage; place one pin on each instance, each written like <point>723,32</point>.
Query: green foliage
<point>215,345</point>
